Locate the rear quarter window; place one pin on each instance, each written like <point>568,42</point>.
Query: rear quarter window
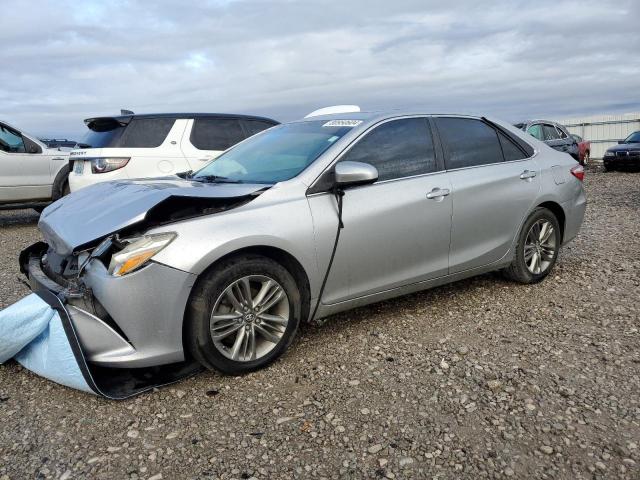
<point>146,132</point>
<point>216,133</point>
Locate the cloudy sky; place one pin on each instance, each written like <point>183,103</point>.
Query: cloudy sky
<point>63,61</point>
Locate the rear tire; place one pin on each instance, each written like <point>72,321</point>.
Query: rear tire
<point>538,239</point>
<point>227,329</point>
<point>61,184</point>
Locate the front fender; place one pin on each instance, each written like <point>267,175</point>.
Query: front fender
<point>203,241</point>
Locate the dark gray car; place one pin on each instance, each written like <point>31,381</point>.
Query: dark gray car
<point>553,134</point>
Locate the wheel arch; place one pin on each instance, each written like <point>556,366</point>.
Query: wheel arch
<point>62,176</point>
<point>558,211</point>
<point>284,258</point>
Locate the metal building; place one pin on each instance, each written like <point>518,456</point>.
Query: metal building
<point>603,131</point>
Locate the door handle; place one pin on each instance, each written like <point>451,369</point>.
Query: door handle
<point>527,174</point>
<point>438,193</point>
<point>206,159</point>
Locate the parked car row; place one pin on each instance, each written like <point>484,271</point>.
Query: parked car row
<point>119,147</point>
<point>143,146</point>
<point>59,143</point>
<point>302,220</point>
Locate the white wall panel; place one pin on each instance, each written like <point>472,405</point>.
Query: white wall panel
<point>603,131</point>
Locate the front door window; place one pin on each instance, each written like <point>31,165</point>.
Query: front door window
<point>11,141</point>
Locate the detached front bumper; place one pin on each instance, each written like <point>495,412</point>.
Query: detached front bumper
<point>133,321</point>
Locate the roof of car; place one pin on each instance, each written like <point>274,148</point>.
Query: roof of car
<point>127,118</point>
<point>538,120</point>
<point>381,114</point>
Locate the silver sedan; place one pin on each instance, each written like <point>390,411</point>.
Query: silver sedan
<point>301,221</point>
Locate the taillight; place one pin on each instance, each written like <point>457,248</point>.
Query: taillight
<point>578,172</point>
<point>107,164</point>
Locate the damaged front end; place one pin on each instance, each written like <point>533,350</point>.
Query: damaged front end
<point>126,309</point>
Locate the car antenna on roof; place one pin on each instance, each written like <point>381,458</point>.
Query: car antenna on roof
<point>334,109</point>
<point>126,112</point>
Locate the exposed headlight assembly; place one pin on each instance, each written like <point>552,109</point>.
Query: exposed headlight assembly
<point>138,252</point>
<point>108,164</point>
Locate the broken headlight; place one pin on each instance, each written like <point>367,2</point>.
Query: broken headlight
<point>137,252</point>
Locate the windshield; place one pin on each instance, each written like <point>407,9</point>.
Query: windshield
<point>278,154</point>
<point>633,138</point>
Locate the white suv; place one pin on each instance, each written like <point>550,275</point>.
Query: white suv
<point>156,145</point>
<point>31,174</point>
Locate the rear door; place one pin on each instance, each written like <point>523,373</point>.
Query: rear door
<point>493,184</point>
<point>393,234</point>
<point>153,144</point>
<point>24,174</point>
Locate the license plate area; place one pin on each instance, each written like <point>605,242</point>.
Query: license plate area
<point>78,167</point>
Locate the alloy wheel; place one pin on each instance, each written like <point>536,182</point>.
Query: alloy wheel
<point>540,246</point>
<point>249,318</point>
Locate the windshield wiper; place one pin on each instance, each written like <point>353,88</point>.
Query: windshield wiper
<point>214,179</point>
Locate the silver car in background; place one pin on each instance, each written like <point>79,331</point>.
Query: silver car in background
<point>304,220</point>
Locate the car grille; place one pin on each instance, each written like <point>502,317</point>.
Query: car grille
<point>628,153</point>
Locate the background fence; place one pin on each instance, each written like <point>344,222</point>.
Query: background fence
<point>603,131</point>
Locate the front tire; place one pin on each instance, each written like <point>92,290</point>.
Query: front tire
<point>243,314</point>
<point>537,248</point>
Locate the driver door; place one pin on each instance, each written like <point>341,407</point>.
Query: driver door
<point>396,231</point>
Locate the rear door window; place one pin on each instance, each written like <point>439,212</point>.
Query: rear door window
<point>469,142</point>
<point>550,132</point>
<point>216,133</point>
<point>256,126</point>
<point>399,148</point>
<point>146,132</point>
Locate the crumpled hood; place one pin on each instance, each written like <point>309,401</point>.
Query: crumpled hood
<point>105,208</point>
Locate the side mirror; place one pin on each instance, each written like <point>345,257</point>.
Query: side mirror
<point>349,174</point>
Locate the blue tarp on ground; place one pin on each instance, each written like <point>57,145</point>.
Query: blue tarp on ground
<point>32,333</point>
<point>38,332</point>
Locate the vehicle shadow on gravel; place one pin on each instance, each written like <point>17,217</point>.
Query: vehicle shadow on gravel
<point>400,306</point>
<point>18,217</point>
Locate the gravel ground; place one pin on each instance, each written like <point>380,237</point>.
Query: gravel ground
<point>480,379</point>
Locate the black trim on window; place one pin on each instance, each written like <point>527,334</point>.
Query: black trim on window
<point>524,146</point>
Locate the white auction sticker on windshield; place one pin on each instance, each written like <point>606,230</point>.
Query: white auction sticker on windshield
<point>342,123</point>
